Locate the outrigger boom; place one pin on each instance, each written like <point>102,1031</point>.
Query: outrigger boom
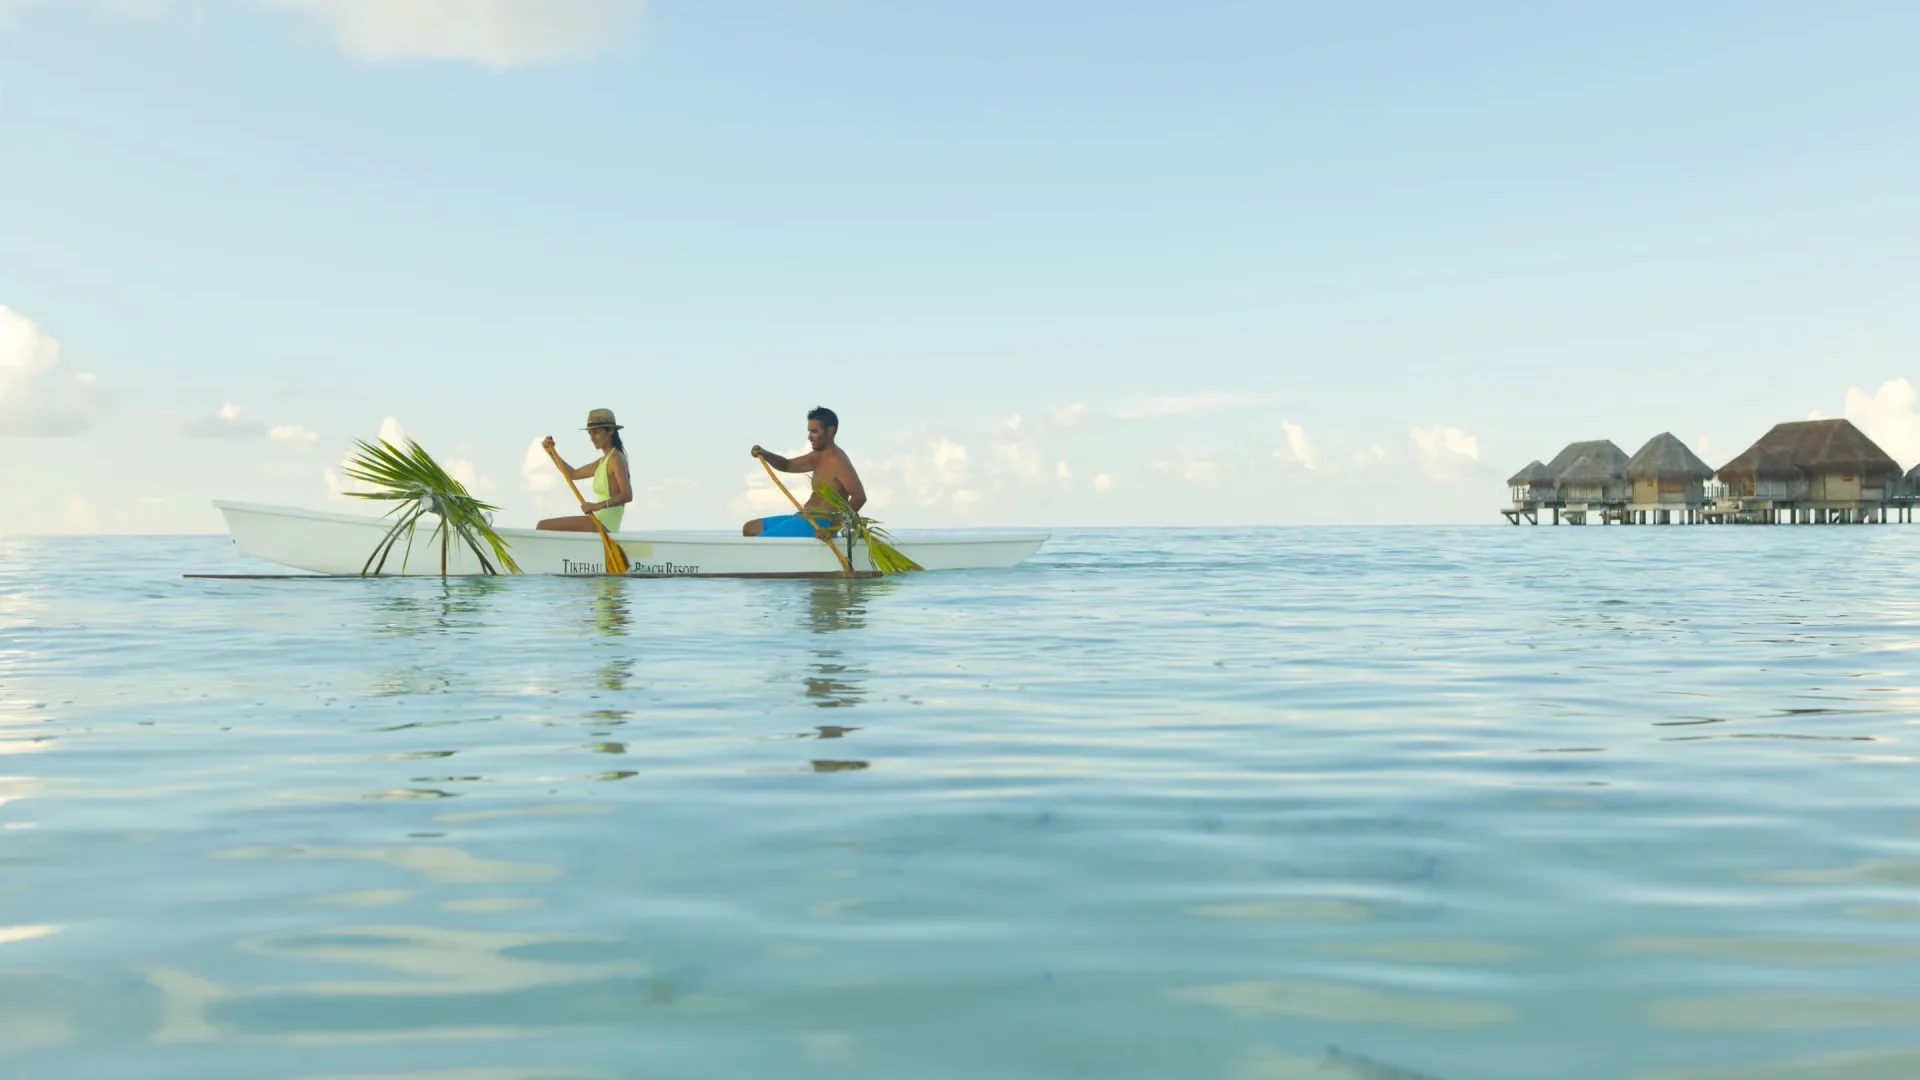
<point>322,542</point>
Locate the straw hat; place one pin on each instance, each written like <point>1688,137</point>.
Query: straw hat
<point>602,418</point>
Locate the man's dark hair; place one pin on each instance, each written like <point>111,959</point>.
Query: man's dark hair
<point>825,416</point>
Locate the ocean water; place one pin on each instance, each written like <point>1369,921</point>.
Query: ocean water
<point>1291,804</point>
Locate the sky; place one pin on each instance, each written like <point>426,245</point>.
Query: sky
<point>1071,264</point>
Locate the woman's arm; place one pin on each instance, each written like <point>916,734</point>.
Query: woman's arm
<point>584,472</point>
<point>619,484</point>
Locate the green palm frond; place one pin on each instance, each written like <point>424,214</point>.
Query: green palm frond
<point>418,486</point>
<point>886,558</point>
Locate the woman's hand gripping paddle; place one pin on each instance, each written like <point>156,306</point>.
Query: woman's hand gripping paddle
<point>616,559</point>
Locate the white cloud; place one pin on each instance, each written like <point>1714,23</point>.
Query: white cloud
<point>1195,466</point>
<point>233,421</point>
<point>537,470</point>
<point>38,396</point>
<point>495,33</point>
<point>1889,417</point>
<point>229,422</point>
<point>1300,447</point>
<point>1067,416</point>
<point>934,476</point>
<point>292,435</point>
<point>760,498</point>
<point>1445,450</point>
<point>949,460</point>
<point>1061,472</point>
<point>1370,455</point>
<point>965,497</point>
<point>339,483</point>
<point>1103,482</point>
<point>1020,459</point>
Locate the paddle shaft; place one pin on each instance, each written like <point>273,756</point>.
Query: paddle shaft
<point>845,564</point>
<point>613,549</point>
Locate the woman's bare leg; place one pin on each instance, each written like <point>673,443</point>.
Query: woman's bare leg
<point>577,523</point>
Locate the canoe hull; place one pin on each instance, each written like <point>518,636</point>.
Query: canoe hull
<point>329,543</point>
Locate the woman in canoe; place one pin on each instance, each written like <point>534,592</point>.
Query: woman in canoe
<point>611,480</point>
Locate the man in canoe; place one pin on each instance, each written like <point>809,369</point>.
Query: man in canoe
<point>828,464</point>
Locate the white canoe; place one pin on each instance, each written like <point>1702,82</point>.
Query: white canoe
<point>327,543</point>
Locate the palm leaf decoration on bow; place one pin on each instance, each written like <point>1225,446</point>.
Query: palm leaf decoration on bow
<point>886,558</point>
<point>418,486</point>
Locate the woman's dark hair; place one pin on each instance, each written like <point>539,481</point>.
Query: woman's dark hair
<point>825,416</point>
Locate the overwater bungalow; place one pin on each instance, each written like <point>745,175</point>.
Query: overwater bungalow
<point>1591,476</point>
<point>1668,479</point>
<point>1533,491</point>
<point>1905,495</point>
<point>1809,471</point>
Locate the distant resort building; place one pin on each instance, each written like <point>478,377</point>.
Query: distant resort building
<point>1907,495</point>
<point>1669,483</point>
<point>1533,491</point>
<point>1591,477</point>
<point>1809,472</point>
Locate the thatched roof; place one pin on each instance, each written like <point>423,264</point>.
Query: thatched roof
<point>1913,475</point>
<point>1667,458</point>
<point>1596,461</point>
<point>1808,447</point>
<point>1534,473</point>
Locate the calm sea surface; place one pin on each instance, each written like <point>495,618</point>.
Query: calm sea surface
<point>1306,804</point>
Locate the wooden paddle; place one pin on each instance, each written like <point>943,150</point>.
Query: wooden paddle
<point>798,509</point>
<point>616,559</point>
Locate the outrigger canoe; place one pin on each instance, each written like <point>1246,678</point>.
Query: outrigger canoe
<point>329,543</point>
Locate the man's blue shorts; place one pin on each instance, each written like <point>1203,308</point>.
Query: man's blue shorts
<point>791,525</point>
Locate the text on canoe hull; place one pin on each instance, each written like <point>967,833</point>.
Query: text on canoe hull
<point>569,566</point>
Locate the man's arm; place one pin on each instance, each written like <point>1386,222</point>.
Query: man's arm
<point>803,463</point>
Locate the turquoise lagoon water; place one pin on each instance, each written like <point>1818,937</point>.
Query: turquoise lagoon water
<point>1313,804</point>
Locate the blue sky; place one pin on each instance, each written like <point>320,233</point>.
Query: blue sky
<point>1070,263</point>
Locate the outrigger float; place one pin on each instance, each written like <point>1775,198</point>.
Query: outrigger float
<point>331,544</point>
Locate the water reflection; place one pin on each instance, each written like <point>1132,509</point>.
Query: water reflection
<point>611,615</point>
<point>615,674</point>
<point>435,605</point>
<point>612,618</point>
<point>834,606</point>
<point>428,608</point>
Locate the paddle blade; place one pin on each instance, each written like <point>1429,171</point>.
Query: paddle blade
<point>616,558</point>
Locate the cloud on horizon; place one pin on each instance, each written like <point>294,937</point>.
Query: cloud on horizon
<point>1889,417</point>
<point>1300,448</point>
<point>232,421</point>
<point>1446,452</point>
<point>39,396</point>
<point>491,33</point>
